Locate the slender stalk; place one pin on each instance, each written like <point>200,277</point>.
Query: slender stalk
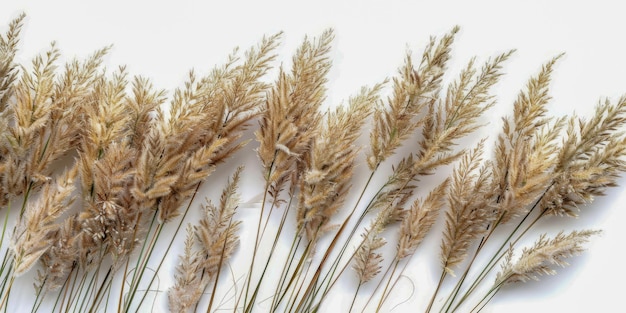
<point>380,282</point>
<point>97,299</point>
<point>258,285</point>
<point>91,294</point>
<point>107,290</point>
<point>454,293</point>
<point>257,239</point>
<point>142,268</point>
<point>139,259</point>
<point>488,296</point>
<point>4,225</point>
<point>383,296</point>
<point>269,214</point>
<point>119,303</point>
<point>5,262</point>
<point>332,278</point>
<point>487,301</point>
<point>95,293</point>
<point>356,293</point>
<point>169,246</point>
<point>64,293</point>
<point>500,252</point>
<point>432,299</point>
<point>63,287</point>
<point>5,299</point>
<point>106,304</point>
<point>285,270</point>
<point>295,293</point>
<point>335,239</point>
<point>80,296</point>
<point>39,298</point>
<point>217,275</point>
<point>295,276</point>
<point>278,232</point>
<point>395,282</point>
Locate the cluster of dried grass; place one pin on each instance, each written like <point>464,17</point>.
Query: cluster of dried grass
<point>135,160</point>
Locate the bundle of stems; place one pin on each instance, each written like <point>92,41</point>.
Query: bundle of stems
<point>95,164</point>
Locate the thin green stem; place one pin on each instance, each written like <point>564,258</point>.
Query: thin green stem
<point>5,299</point>
<point>432,299</point>
<point>106,304</point>
<point>380,282</point>
<point>133,281</point>
<point>91,293</point>
<point>5,262</point>
<point>285,270</point>
<point>159,229</point>
<point>4,226</point>
<point>104,285</point>
<point>454,293</point>
<point>488,296</point>
<point>314,280</point>
<point>141,270</point>
<point>395,282</point>
<point>256,241</point>
<point>487,301</point>
<point>219,267</point>
<point>383,296</point>
<point>85,296</point>
<point>169,246</point>
<point>5,279</point>
<point>63,287</point>
<point>274,244</point>
<point>39,298</point>
<point>297,276</point>
<point>119,303</point>
<point>7,292</point>
<point>331,275</point>
<point>295,292</point>
<point>500,253</point>
<point>356,293</point>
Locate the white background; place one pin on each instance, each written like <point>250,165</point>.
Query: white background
<point>163,40</point>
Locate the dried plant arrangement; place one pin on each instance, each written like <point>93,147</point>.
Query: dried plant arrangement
<point>100,170</point>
